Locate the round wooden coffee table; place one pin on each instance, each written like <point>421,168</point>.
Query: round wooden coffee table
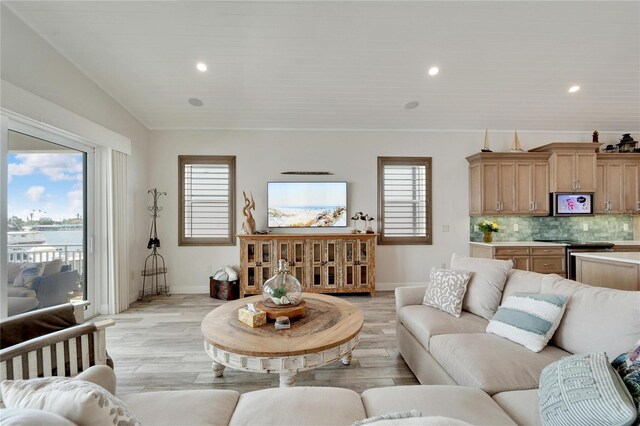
<point>328,332</point>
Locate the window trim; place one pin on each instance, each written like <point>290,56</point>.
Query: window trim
<point>229,160</point>
<point>405,161</point>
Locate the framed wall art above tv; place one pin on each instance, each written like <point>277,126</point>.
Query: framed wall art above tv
<point>306,204</point>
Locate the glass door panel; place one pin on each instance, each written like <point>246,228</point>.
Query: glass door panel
<point>48,221</point>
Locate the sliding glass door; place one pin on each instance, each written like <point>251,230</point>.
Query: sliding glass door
<point>49,221</point>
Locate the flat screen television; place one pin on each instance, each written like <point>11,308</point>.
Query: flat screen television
<point>306,204</point>
<point>571,204</point>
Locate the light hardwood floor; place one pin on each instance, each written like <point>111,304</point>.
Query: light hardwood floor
<point>157,345</point>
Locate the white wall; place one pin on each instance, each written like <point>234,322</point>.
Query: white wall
<point>351,156</point>
<point>32,64</point>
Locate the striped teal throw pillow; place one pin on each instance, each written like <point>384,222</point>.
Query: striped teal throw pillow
<point>529,319</point>
<point>584,390</point>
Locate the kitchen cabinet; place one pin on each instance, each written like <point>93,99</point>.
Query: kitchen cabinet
<point>618,184</point>
<point>545,259</point>
<point>509,184</point>
<point>572,166</point>
<point>326,263</point>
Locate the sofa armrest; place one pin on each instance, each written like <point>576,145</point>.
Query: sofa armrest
<point>101,375</point>
<point>409,296</point>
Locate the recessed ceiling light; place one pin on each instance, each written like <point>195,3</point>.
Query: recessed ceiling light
<point>574,89</point>
<point>201,66</point>
<point>195,102</point>
<point>411,105</point>
<point>433,70</point>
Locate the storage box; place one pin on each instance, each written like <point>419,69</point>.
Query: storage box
<point>252,319</point>
<point>224,290</point>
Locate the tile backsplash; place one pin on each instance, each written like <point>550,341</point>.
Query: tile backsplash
<point>600,228</point>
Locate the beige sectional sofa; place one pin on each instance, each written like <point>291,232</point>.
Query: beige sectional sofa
<point>444,350</point>
<point>474,377</point>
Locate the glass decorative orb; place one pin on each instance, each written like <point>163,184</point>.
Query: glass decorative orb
<point>283,289</point>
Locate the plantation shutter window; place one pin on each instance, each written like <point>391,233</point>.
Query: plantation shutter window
<point>404,200</point>
<point>207,200</point>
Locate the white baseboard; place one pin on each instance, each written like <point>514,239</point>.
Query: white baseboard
<point>133,296</point>
<point>189,289</point>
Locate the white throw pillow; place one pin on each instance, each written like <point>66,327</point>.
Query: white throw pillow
<point>78,401</point>
<point>484,290</point>
<point>529,319</point>
<point>446,290</point>
<point>27,274</point>
<point>13,269</point>
<point>52,267</point>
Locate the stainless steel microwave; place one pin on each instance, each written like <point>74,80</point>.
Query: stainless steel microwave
<point>572,204</point>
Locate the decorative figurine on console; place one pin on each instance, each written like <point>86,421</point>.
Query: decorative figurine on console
<point>249,223</point>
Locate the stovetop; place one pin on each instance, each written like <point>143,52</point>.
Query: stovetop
<point>576,243</point>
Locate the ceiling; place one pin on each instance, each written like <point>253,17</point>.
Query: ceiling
<point>353,65</point>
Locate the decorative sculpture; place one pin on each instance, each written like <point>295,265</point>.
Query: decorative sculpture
<point>485,146</point>
<point>516,144</point>
<point>249,223</point>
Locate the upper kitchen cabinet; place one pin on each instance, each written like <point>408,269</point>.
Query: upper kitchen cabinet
<point>503,183</point>
<point>572,166</point>
<point>618,184</point>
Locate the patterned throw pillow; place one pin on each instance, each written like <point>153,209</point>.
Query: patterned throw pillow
<point>628,367</point>
<point>584,390</point>
<point>27,274</point>
<point>81,402</point>
<point>446,290</point>
<point>389,416</point>
<point>529,319</point>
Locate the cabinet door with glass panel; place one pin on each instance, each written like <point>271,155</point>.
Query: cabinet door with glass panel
<point>356,264</point>
<point>293,251</point>
<point>324,265</point>
<point>259,265</point>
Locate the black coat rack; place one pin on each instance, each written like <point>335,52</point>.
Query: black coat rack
<point>154,266</point>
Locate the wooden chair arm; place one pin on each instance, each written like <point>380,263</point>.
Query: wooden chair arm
<point>63,353</point>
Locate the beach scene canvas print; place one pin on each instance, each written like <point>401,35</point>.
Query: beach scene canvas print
<point>307,204</point>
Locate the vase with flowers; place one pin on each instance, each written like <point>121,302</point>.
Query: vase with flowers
<point>488,228</point>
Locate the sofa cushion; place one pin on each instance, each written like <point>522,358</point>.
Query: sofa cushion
<point>424,322</point>
<point>299,406</point>
<point>52,267</point>
<point>199,407</point>
<point>13,269</point>
<point>484,290</point>
<point>27,274</point>
<point>521,406</point>
<point>31,417</point>
<point>20,305</point>
<point>446,290</point>
<point>491,363</point>
<point>526,282</point>
<point>584,389</point>
<point>596,319</point>
<point>529,319</point>
<point>462,403</point>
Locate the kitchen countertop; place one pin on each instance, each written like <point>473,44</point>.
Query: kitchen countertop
<point>545,244</point>
<point>517,244</point>
<point>625,257</point>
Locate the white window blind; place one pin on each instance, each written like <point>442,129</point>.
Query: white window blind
<point>207,200</point>
<point>404,200</point>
